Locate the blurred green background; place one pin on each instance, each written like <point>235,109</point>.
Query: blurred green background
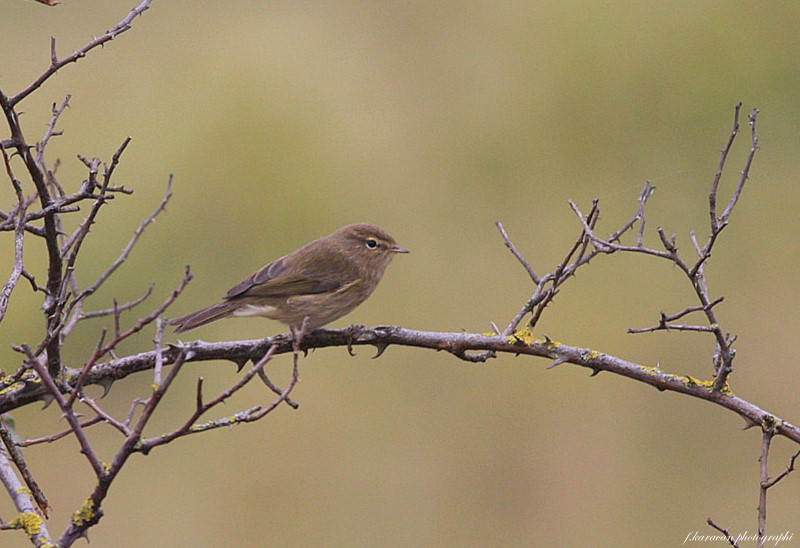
<point>285,120</point>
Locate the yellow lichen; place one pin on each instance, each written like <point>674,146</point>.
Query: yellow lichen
<point>84,513</point>
<point>31,522</point>
<point>523,336</point>
<point>16,386</point>
<point>691,382</point>
<point>652,371</point>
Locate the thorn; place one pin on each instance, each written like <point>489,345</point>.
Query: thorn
<point>47,399</point>
<point>381,347</point>
<point>595,371</point>
<point>558,361</point>
<point>240,363</point>
<point>749,423</point>
<point>106,384</point>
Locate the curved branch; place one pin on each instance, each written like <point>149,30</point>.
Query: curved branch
<point>458,344</point>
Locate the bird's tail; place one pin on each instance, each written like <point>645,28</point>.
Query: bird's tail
<point>204,316</point>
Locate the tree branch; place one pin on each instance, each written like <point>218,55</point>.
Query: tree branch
<point>57,64</point>
<point>520,343</point>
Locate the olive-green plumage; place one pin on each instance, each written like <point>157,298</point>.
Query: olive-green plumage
<point>323,280</point>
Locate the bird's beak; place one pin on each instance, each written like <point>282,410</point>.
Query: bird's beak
<point>398,249</point>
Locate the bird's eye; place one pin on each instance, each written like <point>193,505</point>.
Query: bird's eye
<point>371,244</point>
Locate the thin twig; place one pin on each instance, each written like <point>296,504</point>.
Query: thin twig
<point>130,305</point>
<point>28,518</point>
<point>19,240</point>
<point>69,415</point>
<point>15,453</point>
<point>712,196</point>
<point>763,458</point>
<point>516,253</point>
<point>59,435</point>
<point>56,64</point>
<point>119,336</point>
<point>789,469</point>
<point>726,532</point>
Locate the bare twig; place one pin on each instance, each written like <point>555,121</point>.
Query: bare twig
<point>647,191</point>
<point>192,427</point>
<point>665,319</point>
<point>768,432</point>
<point>269,384</point>
<point>59,435</point>
<point>92,511</point>
<point>69,414</point>
<point>133,241</point>
<point>19,239</point>
<point>51,131</point>
<point>712,196</point>
<point>789,469</point>
<point>726,532</point>
<point>724,354</point>
<point>15,454</point>
<point>745,173</point>
<point>56,64</point>
<point>763,458</point>
<point>130,305</point>
<point>76,304</point>
<point>516,253</point>
<point>28,518</point>
<point>105,417</point>
<point>159,342</point>
<point>119,336</point>
<point>542,295</point>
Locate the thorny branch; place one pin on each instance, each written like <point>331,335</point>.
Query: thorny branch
<point>724,352</point>
<point>462,345</point>
<point>42,375</point>
<point>57,64</point>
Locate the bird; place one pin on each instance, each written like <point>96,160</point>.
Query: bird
<point>322,281</point>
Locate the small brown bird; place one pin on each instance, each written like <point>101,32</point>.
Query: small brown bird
<point>323,280</point>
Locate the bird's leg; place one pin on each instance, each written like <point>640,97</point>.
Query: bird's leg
<point>352,331</point>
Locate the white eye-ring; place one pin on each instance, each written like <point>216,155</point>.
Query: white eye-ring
<point>371,244</point>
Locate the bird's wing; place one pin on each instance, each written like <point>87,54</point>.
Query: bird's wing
<point>274,281</point>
